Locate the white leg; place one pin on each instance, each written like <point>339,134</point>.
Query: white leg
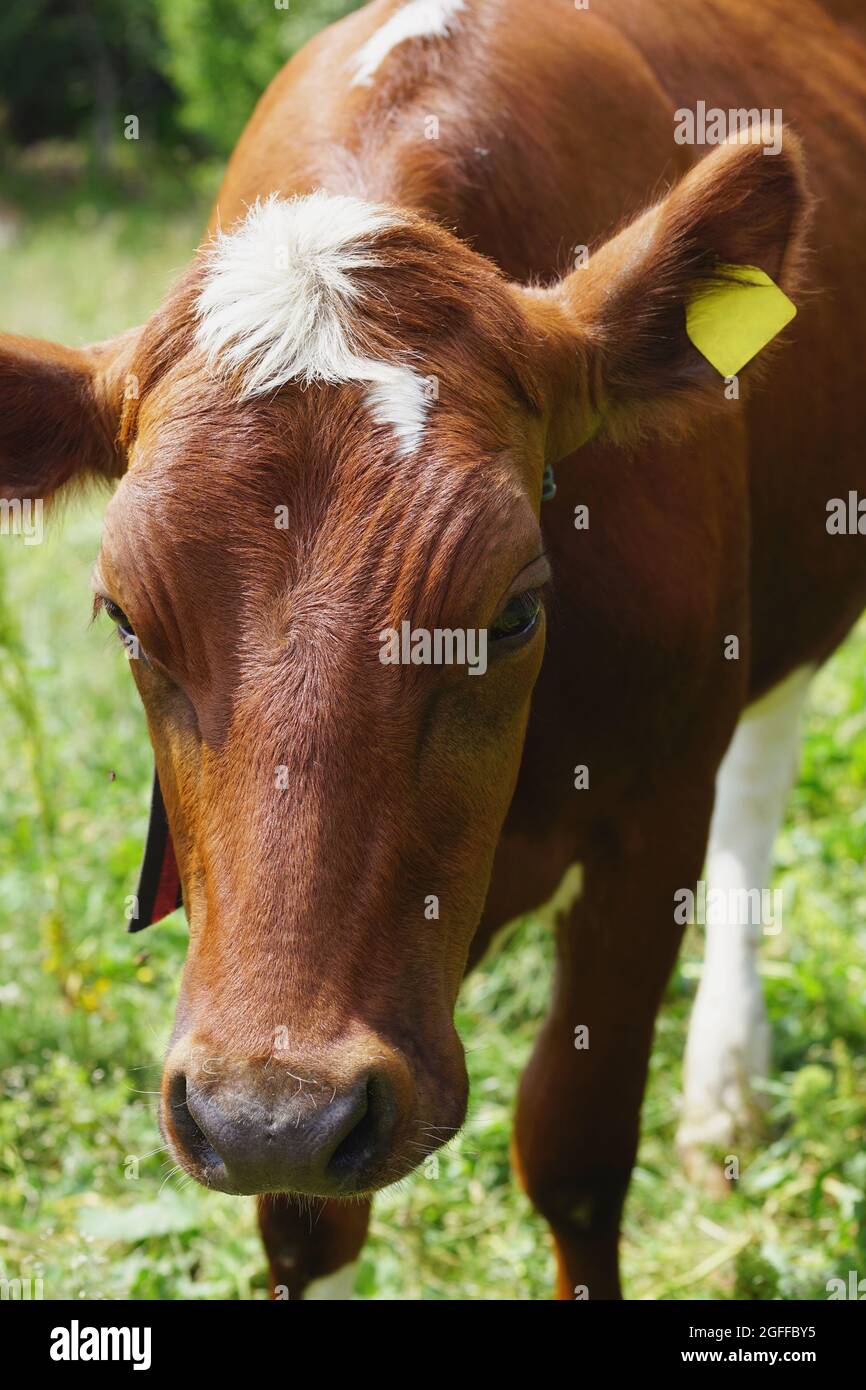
<point>338,1286</point>
<point>729,1039</point>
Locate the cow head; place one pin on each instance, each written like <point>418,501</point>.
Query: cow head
<point>330,443</point>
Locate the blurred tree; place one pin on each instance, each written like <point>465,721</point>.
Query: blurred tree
<point>223,53</point>
<point>75,69</point>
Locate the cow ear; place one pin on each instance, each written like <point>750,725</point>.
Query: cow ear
<point>59,413</point>
<point>617,330</point>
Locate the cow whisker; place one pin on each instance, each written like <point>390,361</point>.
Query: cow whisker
<point>176,1169</point>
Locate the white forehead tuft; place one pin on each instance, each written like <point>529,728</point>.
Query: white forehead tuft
<point>277,302</point>
<point>278,290</point>
<point>400,400</point>
<point>418,19</point>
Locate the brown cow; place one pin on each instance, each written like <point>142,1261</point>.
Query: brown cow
<point>339,422</point>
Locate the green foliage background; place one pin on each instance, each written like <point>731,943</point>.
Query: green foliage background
<point>220,56</point>
<point>85,1009</point>
<point>191,70</point>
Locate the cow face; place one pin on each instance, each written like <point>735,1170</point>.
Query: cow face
<point>325,544</point>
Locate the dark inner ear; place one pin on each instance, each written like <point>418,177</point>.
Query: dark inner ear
<point>57,418</point>
<point>748,210</point>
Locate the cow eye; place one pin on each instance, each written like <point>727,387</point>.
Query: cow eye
<point>518,618</point>
<point>117,616</point>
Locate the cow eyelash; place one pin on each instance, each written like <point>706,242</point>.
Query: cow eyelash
<point>115,613</point>
<point>516,621</point>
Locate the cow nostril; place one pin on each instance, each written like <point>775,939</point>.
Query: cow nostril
<point>189,1134</point>
<point>366,1141</point>
<point>256,1132</point>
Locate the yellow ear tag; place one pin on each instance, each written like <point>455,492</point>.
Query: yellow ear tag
<point>730,323</point>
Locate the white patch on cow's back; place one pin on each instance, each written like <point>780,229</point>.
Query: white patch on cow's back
<point>418,19</point>
<point>277,301</point>
<point>333,1287</point>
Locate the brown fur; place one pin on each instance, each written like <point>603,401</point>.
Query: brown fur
<point>306,906</point>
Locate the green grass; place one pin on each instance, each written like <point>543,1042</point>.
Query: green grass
<point>86,1009</point>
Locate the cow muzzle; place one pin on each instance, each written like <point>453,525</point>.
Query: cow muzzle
<point>322,1126</point>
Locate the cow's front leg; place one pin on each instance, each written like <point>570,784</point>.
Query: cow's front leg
<point>579,1105</point>
<point>312,1245</point>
